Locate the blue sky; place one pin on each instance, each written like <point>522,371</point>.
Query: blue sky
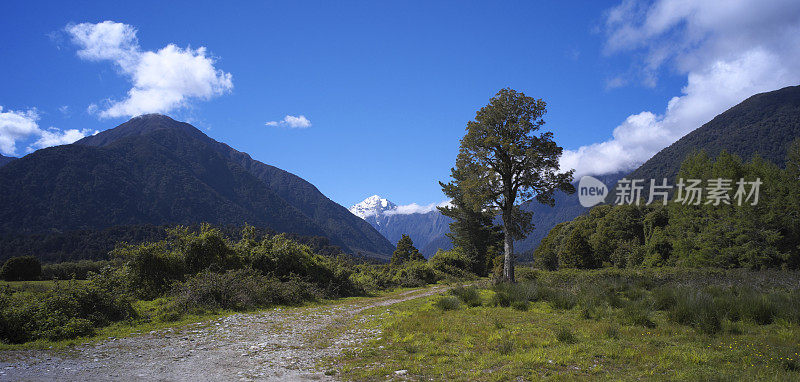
<point>388,87</point>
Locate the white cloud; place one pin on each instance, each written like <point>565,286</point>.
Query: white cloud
<point>727,54</point>
<point>163,80</point>
<point>55,137</point>
<point>16,126</point>
<point>299,122</point>
<point>415,208</point>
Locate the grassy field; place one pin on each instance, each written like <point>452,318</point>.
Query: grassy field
<point>568,332</point>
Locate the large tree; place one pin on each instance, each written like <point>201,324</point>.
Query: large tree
<point>506,163</point>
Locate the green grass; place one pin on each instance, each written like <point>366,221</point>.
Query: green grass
<point>623,337</point>
<point>34,286</point>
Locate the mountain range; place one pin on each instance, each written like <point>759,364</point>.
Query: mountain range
<point>155,170</point>
<point>763,124</point>
<point>426,229</point>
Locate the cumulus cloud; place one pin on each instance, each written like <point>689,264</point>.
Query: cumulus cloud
<point>17,126</point>
<point>415,208</point>
<point>292,122</point>
<point>162,80</point>
<point>55,137</point>
<point>727,54</point>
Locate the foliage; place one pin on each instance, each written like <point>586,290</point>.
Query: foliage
<point>468,295</point>
<point>502,163</point>
<point>453,262</point>
<point>79,270</point>
<point>448,303</point>
<point>765,235</point>
<point>68,311</point>
<point>472,229</point>
<point>191,272</point>
<point>405,252</point>
<point>21,268</point>
<point>240,290</point>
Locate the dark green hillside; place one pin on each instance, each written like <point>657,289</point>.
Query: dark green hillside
<point>4,160</point>
<point>764,123</point>
<point>334,220</point>
<point>161,178</point>
<point>154,170</point>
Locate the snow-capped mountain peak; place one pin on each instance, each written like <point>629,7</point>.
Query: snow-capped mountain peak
<point>374,205</point>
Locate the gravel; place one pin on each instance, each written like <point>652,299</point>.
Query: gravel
<point>285,344</point>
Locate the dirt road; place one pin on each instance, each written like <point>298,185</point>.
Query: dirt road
<point>280,344</point>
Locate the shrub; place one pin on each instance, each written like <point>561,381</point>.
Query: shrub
<point>469,295</point>
<point>664,298</point>
<point>636,313</point>
<point>240,290</point>
<point>453,262</point>
<point>78,270</point>
<point>758,307</point>
<point>21,268</point>
<point>520,305</point>
<point>500,298</point>
<point>62,312</point>
<point>414,274</point>
<point>561,299</point>
<point>566,336</point>
<point>447,303</point>
<point>699,310</point>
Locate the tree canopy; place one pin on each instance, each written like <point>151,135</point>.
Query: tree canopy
<point>406,252</point>
<point>504,163</point>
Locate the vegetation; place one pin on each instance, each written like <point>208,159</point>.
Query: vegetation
<point>191,272</point>
<point>405,252</point>
<point>765,235</point>
<point>502,163</point>
<point>472,231</point>
<point>616,324</point>
<point>21,269</point>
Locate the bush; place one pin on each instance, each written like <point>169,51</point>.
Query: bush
<point>697,309</point>
<point>638,314</point>
<point>414,274</point>
<point>500,298</point>
<point>520,305</point>
<point>62,313</point>
<point>78,270</point>
<point>469,295</point>
<point>23,268</point>
<point>448,303</point>
<point>562,299</point>
<point>664,298</point>
<point>453,262</point>
<point>566,336</point>
<point>239,290</point>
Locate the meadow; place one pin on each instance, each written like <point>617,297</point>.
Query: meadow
<point>673,324</point>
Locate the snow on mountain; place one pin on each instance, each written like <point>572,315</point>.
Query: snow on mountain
<point>424,224</point>
<point>372,206</point>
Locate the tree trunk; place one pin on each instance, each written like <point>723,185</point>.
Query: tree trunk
<point>508,246</point>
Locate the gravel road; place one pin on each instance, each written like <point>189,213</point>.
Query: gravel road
<point>283,344</point>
